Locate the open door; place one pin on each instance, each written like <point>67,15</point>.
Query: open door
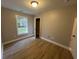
<point>37,27</point>
<point>74,40</point>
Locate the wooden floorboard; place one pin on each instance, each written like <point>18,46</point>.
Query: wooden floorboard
<point>40,49</point>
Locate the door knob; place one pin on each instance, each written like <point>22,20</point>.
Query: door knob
<point>73,35</point>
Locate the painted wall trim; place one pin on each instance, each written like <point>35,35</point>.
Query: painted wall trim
<point>17,39</point>
<point>68,48</point>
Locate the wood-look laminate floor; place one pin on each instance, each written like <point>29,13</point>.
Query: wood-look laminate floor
<point>40,49</point>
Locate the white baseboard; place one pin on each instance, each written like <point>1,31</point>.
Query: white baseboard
<point>17,39</point>
<point>68,48</point>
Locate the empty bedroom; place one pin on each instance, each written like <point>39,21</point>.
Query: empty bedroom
<point>39,29</point>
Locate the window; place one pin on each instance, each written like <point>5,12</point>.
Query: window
<point>22,25</point>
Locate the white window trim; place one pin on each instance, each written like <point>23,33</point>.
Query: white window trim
<point>17,26</point>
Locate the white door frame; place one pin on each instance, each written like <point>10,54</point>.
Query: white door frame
<point>35,26</point>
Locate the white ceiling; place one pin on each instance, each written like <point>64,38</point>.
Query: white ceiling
<point>25,6</point>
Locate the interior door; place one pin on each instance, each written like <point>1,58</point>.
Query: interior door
<point>74,40</point>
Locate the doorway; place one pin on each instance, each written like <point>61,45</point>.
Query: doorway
<point>37,27</point>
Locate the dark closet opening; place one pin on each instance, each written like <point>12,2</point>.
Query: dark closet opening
<point>37,27</point>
